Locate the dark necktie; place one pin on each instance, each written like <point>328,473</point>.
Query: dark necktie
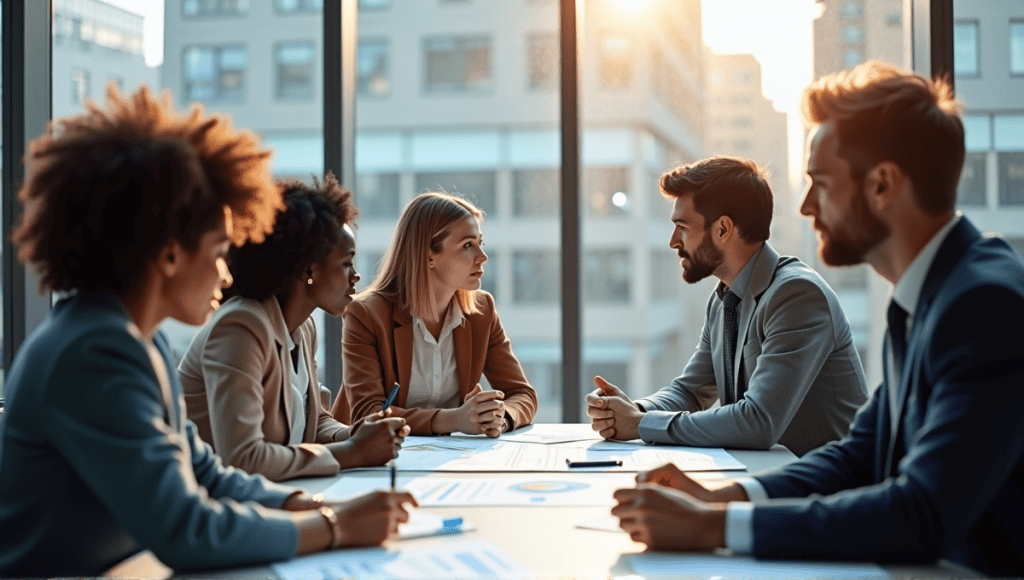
<point>731,330</point>
<point>897,338</point>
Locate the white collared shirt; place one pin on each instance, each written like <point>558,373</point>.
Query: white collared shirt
<point>739,516</point>
<point>434,380</point>
<point>299,380</point>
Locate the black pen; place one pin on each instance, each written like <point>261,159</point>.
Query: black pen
<point>610,463</point>
<point>394,471</point>
<point>391,398</point>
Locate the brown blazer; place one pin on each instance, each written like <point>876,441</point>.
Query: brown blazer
<point>377,349</point>
<point>237,392</point>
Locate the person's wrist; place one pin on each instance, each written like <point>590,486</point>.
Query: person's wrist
<point>731,491</point>
<point>714,526</point>
<point>333,525</point>
<point>346,453</point>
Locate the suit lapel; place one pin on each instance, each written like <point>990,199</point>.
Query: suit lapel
<point>952,249</point>
<point>284,360</point>
<point>462,337</point>
<point>402,325</point>
<point>760,278</point>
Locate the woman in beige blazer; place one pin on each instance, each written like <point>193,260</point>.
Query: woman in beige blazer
<point>425,325</point>
<point>250,375</point>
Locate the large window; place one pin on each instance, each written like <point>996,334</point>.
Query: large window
<point>480,187</point>
<point>372,65</point>
<point>215,73</point>
<point>295,74</point>
<point>457,64</point>
<point>203,8</point>
<point>965,48</point>
<point>1017,47</point>
<point>542,60</point>
<point>615,60</point>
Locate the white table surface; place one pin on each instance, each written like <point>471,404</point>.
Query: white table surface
<point>544,539</point>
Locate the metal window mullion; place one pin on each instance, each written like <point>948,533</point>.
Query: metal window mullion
<point>339,50</point>
<point>570,222</point>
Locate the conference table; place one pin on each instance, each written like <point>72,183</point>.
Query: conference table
<point>547,541</point>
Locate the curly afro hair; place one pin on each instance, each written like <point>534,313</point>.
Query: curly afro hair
<point>106,190</point>
<point>306,232</point>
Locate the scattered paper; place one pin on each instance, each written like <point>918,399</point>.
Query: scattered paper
<point>467,559</point>
<point>607,523</point>
<point>652,565</point>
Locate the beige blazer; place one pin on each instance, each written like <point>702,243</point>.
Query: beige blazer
<point>377,348</point>
<point>237,392</point>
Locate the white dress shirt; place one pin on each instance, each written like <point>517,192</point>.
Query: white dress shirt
<point>299,379</point>
<point>434,380</point>
<point>739,515</point>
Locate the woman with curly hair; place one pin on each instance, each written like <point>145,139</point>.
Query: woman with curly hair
<point>250,375</point>
<point>426,324</point>
<point>131,210</point>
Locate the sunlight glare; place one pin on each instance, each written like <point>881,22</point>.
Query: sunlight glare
<point>631,7</point>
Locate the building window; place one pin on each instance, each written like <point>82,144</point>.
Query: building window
<point>614,63</point>
<point>606,191</point>
<point>853,34</point>
<point>965,48</point>
<point>543,58</point>
<point>373,69</point>
<point>894,19</point>
<point>743,122</point>
<point>852,10</point>
<point>374,4</point>
<point>666,273</point>
<point>477,186</point>
<point>535,192</point>
<point>201,8</point>
<point>489,283</point>
<point>535,276</point>
<point>294,70</point>
<point>606,276</point>
<point>1017,48</point>
<point>1011,178</point>
<point>79,85</point>
<point>293,6</point>
<point>852,58</point>
<point>377,195</point>
<point>971,192</point>
<point>457,63</point>
<point>215,73</point>
<point>741,77</point>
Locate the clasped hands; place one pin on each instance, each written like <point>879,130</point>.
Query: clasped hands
<point>612,413</point>
<point>481,412</point>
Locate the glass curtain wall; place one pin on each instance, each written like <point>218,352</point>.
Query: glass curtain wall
<point>464,98</point>
<point>988,61</point>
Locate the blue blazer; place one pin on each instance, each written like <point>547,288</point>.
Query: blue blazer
<point>98,462</point>
<point>953,485</point>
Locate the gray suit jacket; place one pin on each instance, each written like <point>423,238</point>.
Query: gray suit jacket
<point>796,368</point>
<point>97,459</point>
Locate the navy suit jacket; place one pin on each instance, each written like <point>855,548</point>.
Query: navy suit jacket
<point>97,459</point>
<point>953,486</point>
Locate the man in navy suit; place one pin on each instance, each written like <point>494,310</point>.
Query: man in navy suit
<point>933,467</point>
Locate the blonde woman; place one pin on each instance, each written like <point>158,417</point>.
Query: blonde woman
<point>425,325</point>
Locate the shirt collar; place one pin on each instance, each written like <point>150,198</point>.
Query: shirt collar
<point>907,290</point>
<point>454,318</point>
<point>742,280</point>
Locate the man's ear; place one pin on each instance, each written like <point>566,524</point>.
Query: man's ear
<point>883,184</point>
<point>723,228</point>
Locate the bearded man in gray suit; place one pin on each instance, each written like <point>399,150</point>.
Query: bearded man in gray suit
<point>776,350</point>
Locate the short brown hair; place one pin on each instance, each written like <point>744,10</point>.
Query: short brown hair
<point>729,186</point>
<point>106,190</point>
<point>884,114</point>
<point>404,274</point>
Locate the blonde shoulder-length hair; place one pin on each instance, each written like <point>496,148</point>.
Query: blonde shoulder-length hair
<point>404,274</point>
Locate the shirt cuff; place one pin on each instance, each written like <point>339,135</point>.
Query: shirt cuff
<point>739,527</point>
<point>755,491</point>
